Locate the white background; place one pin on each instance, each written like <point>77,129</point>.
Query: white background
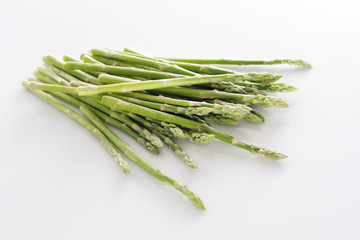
<point>57,182</point>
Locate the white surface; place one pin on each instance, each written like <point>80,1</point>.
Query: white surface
<point>57,182</point>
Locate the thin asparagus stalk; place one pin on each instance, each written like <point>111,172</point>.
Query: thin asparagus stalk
<point>112,121</point>
<point>197,68</point>
<point>112,62</point>
<point>275,87</point>
<point>297,62</point>
<point>77,73</point>
<point>110,79</point>
<point>155,129</point>
<point>95,131</point>
<point>126,71</point>
<point>68,77</point>
<point>52,87</point>
<point>236,111</point>
<point>67,58</point>
<point>143,132</point>
<point>156,84</point>
<point>153,139</point>
<point>130,154</point>
<point>221,119</point>
<point>53,75</point>
<point>122,126</point>
<point>200,111</point>
<point>266,101</point>
<point>233,88</point>
<point>146,62</point>
<point>197,137</point>
<point>121,105</point>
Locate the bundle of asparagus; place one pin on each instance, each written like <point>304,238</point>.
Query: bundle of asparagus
<point>155,100</point>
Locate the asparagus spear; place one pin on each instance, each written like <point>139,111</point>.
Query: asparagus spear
<point>77,73</point>
<point>275,87</point>
<point>117,123</point>
<point>121,105</point>
<point>53,87</point>
<point>233,88</point>
<point>130,154</point>
<point>267,101</point>
<point>146,62</point>
<point>67,58</point>
<point>197,68</point>
<point>126,71</point>
<point>297,62</point>
<point>236,111</point>
<point>156,84</point>
<point>143,132</point>
<point>95,131</point>
<point>154,128</point>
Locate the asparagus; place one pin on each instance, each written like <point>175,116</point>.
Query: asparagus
<point>266,101</point>
<point>53,75</point>
<point>77,73</point>
<point>110,79</point>
<point>68,77</point>
<point>155,129</point>
<point>95,131</point>
<point>126,71</point>
<point>122,126</point>
<point>117,123</point>
<point>233,88</point>
<point>197,137</point>
<point>197,68</point>
<point>153,139</point>
<point>67,58</point>
<point>232,111</point>
<point>156,84</point>
<point>130,154</point>
<point>146,62</point>
<point>53,87</point>
<point>275,87</point>
<point>297,62</point>
<point>121,105</point>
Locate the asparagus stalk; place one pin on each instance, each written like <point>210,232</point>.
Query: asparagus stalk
<point>130,154</point>
<point>197,68</point>
<point>121,105</point>
<point>112,121</point>
<point>53,87</point>
<point>275,87</point>
<point>146,62</point>
<point>236,111</point>
<point>297,62</point>
<point>155,129</point>
<point>233,88</point>
<point>156,84</point>
<point>95,131</point>
<point>77,73</point>
<point>122,126</point>
<point>143,132</point>
<point>67,58</point>
<point>266,101</point>
<point>126,71</point>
